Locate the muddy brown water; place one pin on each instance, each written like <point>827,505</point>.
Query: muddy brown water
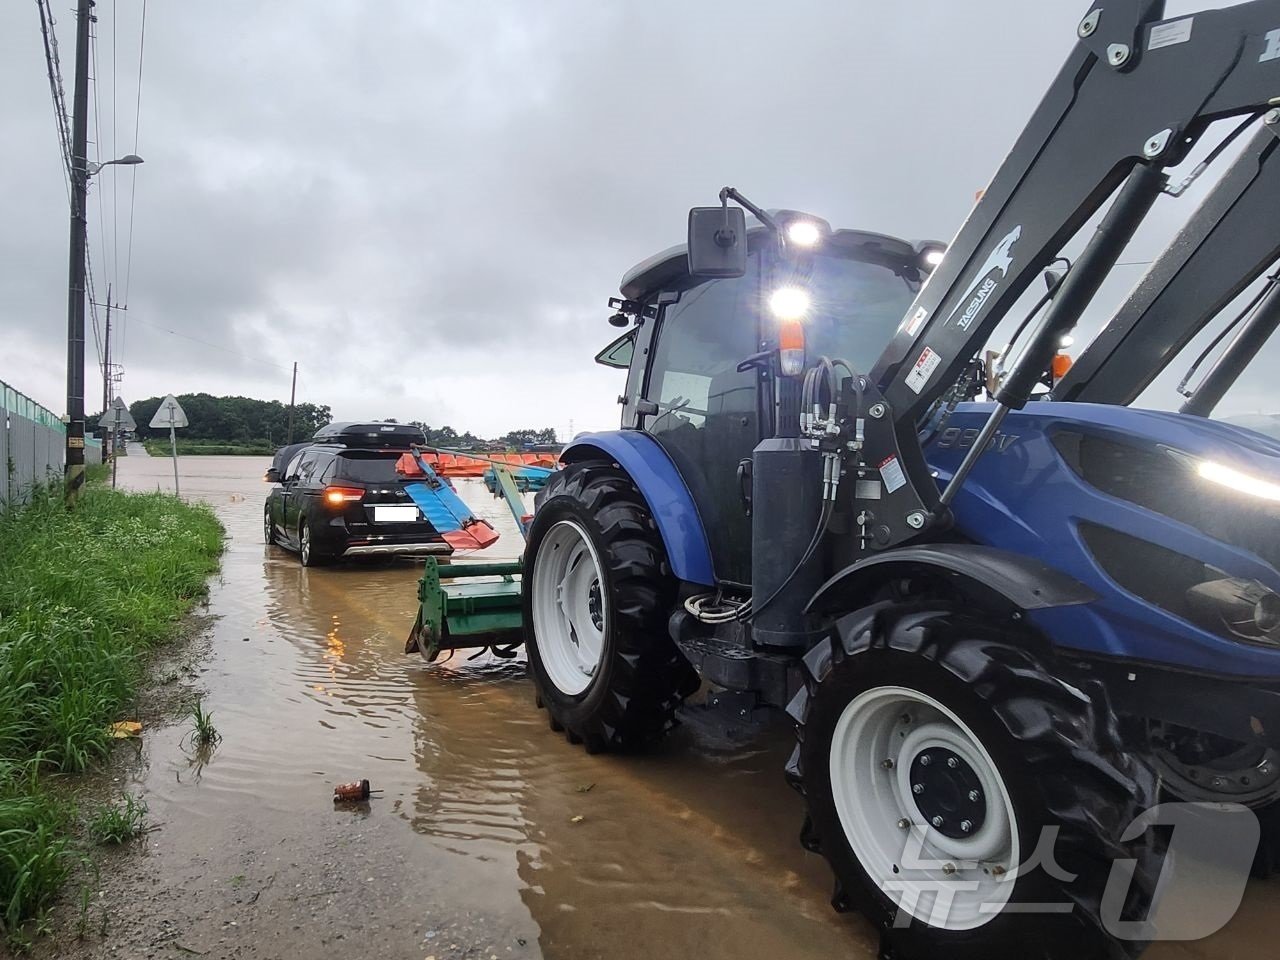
<point>473,848</point>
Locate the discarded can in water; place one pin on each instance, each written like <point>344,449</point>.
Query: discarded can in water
<point>359,790</point>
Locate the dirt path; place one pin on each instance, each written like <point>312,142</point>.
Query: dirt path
<point>472,849</point>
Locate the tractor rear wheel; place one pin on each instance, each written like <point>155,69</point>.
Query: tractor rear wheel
<point>938,757</point>
<point>597,593</point>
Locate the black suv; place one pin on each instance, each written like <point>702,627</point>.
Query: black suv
<point>338,495</point>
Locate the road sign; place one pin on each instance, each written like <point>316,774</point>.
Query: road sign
<point>169,414</point>
<point>118,417</point>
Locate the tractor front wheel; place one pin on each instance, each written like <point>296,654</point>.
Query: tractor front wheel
<point>597,593</point>
<point>969,803</point>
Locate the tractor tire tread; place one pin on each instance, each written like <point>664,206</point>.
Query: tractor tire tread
<point>650,677</point>
<point>1068,736</point>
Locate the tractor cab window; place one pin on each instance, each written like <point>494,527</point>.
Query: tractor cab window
<point>856,306</point>
<point>707,416</point>
<point>618,353</point>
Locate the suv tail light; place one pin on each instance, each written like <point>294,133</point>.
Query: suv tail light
<point>337,496</point>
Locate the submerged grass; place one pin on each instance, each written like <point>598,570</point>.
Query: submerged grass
<point>203,732</point>
<point>84,594</point>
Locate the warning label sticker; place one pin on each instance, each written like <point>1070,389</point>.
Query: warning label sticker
<point>917,320</point>
<point>892,475</point>
<point>1167,34</point>
<point>923,370</point>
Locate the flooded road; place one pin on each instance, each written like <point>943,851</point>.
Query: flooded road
<point>474,847</point>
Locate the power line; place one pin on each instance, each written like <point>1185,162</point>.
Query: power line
<point>54,68</point>
<point>57,92</point>
<point>97,141</point>
<point>209,343</point>
<point>115,152</point>
<point>137,119</point>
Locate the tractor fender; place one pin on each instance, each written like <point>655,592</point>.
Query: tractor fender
<point>991,577</point>
<point>663,489</point>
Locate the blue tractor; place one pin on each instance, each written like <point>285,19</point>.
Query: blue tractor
<point>990,619</point>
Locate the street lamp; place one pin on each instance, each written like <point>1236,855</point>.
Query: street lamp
<point>82,170</point>
<point>129,159</point>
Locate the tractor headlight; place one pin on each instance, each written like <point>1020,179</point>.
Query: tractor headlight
<point>789,303</point>
<point>803,233</point>
<point>929,254</point>
<point>1240,482</point>
<point>1242,608</point>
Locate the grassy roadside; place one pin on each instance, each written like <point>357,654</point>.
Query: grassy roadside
<point>196,448</point>
<point>84,594</point>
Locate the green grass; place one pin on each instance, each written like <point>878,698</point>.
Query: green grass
<point>114,823</point>
<point>85,593</point>
<point>197,448</point>
<point>203,732</point>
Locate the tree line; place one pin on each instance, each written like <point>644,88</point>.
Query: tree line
<point>233,420</point>
<point>246,421</point>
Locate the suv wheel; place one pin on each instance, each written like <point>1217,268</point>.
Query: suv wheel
<point>308,553</point>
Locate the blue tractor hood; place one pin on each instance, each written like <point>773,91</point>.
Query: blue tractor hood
<point>1109,495</point>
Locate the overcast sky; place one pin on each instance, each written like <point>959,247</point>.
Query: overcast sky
<point>426,204</point>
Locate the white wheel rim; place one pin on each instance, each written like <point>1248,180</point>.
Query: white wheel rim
<point>305,547</point>
<point>949,882</point>
<point>266,526</point>
<point>570,607</point>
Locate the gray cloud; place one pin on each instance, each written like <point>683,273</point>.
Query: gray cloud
<point>425,204</point>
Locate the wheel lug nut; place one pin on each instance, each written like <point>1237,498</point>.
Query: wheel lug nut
<point>917,788</point>
<point>1219,782</point>
<point>925,760</point>
<point>937,822</point>
<point>966,826</point>
<point>952,762</point>
<point>887,763</point>
<point>906,718</point>
<point>904,823</point>
<point>974,796</point>
<point>948,868</point>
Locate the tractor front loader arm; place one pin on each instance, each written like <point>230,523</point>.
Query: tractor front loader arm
<point>1191,282</point>
<point>1134,95</point>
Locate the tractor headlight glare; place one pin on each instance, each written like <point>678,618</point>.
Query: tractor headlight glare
<point>803,233</point>
<point>789,303</point>
<point>1240,482</point>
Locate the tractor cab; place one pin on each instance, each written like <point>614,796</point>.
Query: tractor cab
<point>702,374</point>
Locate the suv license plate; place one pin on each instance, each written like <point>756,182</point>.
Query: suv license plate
<point>395,514</point>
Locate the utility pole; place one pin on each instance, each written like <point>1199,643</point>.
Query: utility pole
<point>76,267</point>
<point>106,377</point>
<point>106,357</point>
<point>293,395</point>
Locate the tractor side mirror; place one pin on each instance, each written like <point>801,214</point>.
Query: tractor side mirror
<point>272,475</point>
<point>717,242</point>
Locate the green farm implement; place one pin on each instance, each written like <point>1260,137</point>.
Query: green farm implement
<point>475,605</point>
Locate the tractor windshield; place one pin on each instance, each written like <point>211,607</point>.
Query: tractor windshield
<point>855,305</point>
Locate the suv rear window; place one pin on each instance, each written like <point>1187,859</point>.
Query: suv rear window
<point>369,468</point>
